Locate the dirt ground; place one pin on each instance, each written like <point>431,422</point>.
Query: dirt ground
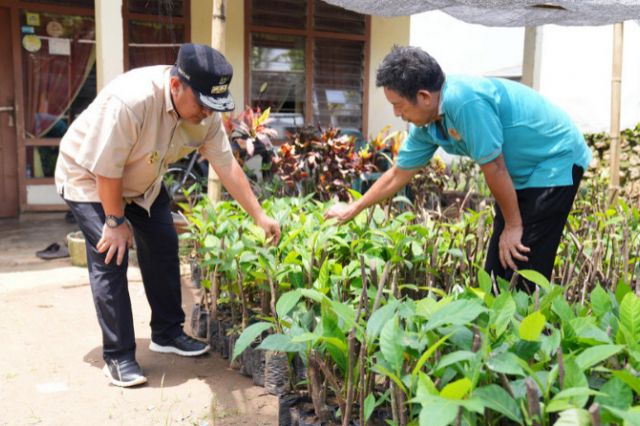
<point>51,359</point>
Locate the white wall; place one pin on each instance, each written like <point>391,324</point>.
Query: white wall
<point>385,32</point>
<point>576,73</point>
<point>575,62</point>
<point>463,48</point>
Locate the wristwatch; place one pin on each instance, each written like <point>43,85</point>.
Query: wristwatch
<point>114,221</point>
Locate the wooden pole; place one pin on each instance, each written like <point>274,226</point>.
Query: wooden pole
<point>531,57</point>
<point>616,83</point>
<point>218,21</point>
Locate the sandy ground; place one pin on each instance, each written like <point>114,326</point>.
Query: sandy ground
<point>51,358</point>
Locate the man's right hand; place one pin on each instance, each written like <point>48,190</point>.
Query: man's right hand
<point>115,242</point>
<point>342,212</point>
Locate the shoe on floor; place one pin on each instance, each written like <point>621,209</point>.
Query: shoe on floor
<point>181,345</point>
<point>124,373</point>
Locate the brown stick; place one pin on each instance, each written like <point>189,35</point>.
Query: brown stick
<point>352,342</point>
<point>243,302</point>
<point>594,411</point>
<point>315,387</point>
<point>274,296</point>
<point>534,403</point>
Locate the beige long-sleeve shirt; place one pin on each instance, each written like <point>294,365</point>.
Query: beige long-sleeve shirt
<point>132,131</point>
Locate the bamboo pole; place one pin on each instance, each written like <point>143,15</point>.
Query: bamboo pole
<point>218,21</point>
<point>531,57</point>
<point>616,84</point>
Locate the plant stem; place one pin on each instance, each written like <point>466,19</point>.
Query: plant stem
<point>352,342</point>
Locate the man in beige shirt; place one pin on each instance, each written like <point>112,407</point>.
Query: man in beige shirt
<point>109,172</point>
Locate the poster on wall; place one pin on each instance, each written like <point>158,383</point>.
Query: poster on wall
<point>31,43</point>
<point>60,46</point>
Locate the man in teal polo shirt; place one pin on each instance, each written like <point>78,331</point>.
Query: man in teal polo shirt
<point>530,152</point>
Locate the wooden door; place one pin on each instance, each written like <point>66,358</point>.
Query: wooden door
<point>8,139</point>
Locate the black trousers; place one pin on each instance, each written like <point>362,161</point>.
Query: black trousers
<point>544,213</point>
<point>157,249</point>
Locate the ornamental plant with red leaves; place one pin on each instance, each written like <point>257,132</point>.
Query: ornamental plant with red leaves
<point>324,162</point>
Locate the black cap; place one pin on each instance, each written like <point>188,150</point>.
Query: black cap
<point>208,73</point>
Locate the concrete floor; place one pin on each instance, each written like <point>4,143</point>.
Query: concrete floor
<point>50,366</point>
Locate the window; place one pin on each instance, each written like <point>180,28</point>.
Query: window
<point>154,31</point>
<point>306,62</point>
<point>58,60</point>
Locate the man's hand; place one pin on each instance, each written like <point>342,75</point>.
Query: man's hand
<point>342,212</point>
<point>511,247</point>
<point>271,227</point>
<point>115,241</point>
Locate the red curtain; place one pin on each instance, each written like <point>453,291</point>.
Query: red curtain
<point>52,81</point>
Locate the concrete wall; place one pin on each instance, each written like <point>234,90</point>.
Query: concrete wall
<point>109,41</point>
<point>463,48</point>
<point>575,62</point>
<point>385,32</point>
<point>575,73</point>
<point>201,18</point>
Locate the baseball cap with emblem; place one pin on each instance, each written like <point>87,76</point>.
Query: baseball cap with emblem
<point>208,73</point>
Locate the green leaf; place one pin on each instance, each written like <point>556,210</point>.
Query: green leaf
<point>600,302</point>
<point>369,406</point>
<point>281,343</point>
<point>572,392</point>
<point>456,390</point>
<point>458,312</point>
<point>323,276</point>
<point>292,258</point>
<point>617,394</point>
<point>629,379</point>
<point>531,326</point>
<point>381,369</point>
<point>314,295</point>
<point>426,387</point>
<point>596,354</point>
<point>287,301</point>
<point>426,307</point>
<point>562,309</point>
<point>575,378</point>
<point>427,354</point>
<point>344,312</point>
<point>574,417</point>
<point>497,399</point>
<point>586,331</point>
<point>537,278</point>
<point>381,317</point>
<point>630,314</point>
<point>622,290</point>
<point>631,417</point>
<point>391,346</point>
<point>248,335</point>
<point>502,313</point>
<point>484,281</point>
<point>454,358</point>
<point>506,363</point>
<point>438,412</point>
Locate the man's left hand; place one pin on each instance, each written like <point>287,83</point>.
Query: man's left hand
<point>511,247</point>
<point>271,227</point>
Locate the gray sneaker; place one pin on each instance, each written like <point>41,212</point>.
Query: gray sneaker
<point>181,345</point>
<point>124,373</point>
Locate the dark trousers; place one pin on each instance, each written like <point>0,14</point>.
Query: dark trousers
<point>157,249</point>
<point>544,213</point>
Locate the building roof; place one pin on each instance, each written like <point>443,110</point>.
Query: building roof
<point>506,13</point>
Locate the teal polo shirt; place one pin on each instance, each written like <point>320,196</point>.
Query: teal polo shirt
<point>482,118</point>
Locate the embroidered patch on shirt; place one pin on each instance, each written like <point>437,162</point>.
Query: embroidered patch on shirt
<point>454,133</point>
<point>153,157</point>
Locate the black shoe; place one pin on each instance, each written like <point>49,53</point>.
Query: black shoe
<point>181,345</point>
<point>124,373</point>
